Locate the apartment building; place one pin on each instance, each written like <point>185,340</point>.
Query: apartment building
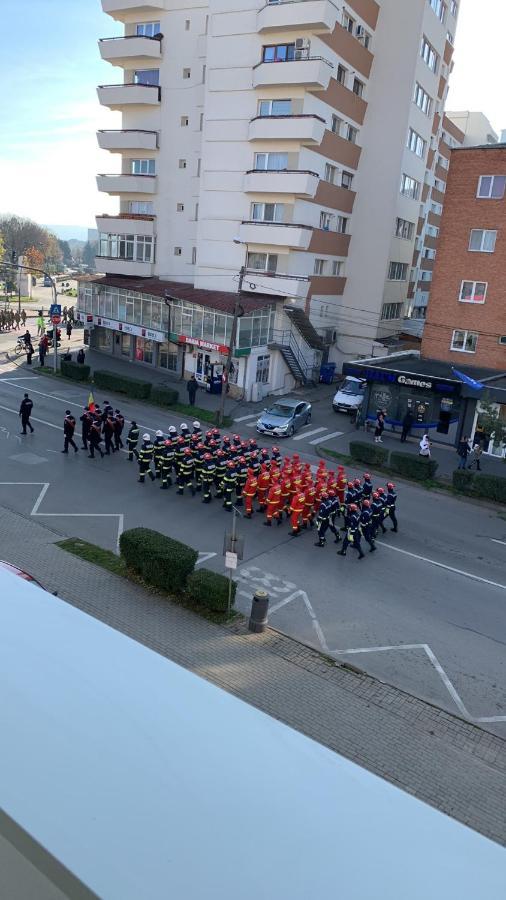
<point>475,127</point>
<point>303,143</point>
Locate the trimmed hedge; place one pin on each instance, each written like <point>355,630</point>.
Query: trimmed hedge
<point>462,480</point>
<point>75,371</point>
<point>122,384</point>
<point>158,559</point>
<point>163,396</point>
<point>417,467</point>
<point>490,487</point>
<point>368,453</point>
<point>210,589</point>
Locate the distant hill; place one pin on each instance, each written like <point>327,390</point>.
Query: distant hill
<point>69,232</point>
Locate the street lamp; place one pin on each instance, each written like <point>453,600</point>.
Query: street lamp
<point>238,312</point>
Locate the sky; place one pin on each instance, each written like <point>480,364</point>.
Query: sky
<point>49,112</point>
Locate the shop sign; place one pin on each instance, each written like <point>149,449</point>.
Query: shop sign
<point>203,345</point>
<point>148,333</point>
<point>414,382</point>
<point>380,376</point>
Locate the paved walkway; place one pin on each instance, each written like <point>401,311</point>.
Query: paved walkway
<point>444,761</point>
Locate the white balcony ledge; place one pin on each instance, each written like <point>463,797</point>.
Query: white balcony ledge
<point>126,223</point>
<point>127,10</point>
<point>116,266</point>
<point>311,72</point>
<point>127,139</point>
<point>272,282</point>
<point>275,234</point>
<point>318,15</point>
<point>117,96</point>
<point>127,184</point>
<point>282,181</point>
<point>130,51</point>
<point>308,129</point>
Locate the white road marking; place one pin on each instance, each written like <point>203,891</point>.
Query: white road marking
<point>33,419</point>
<point>301,437</point>
<point>327,437</point>
<point>251,424</point>
<point>203,557</point>
<point>495,541</point>
<point>26,378</point>
<point>245,418</point>
<point>440,565</point>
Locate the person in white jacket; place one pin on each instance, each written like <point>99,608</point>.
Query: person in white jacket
<point>425,446</point>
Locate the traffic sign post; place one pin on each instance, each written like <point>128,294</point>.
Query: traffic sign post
<point>233,550</point>
<point>55,314</point>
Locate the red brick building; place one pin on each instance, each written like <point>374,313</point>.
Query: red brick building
<point>466,315</point>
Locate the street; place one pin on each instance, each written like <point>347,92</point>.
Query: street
<point>424,613</point>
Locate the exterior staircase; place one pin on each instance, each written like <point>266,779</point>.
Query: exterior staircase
<point>302,323</point>
<point>300,346</point>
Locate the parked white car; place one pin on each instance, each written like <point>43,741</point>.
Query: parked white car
<point>350,396</point>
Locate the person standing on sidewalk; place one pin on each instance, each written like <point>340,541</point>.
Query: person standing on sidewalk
<point>191,387</point>
<point>463,451</point>
<point>407,424</point>
<point>425,446</point>
<point>69,426</point>
<point>380,426</point>
<point>69,329</point>
<point>476,454</point>
<point>25,411</point>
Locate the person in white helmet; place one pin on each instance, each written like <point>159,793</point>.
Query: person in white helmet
<point>197,430</point>
<point>145,457</point>
<point>185,433</point>
<point>158,452</point>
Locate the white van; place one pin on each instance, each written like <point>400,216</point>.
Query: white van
<point>350,395</point>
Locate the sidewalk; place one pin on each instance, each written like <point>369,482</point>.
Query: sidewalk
<point>448,763</point>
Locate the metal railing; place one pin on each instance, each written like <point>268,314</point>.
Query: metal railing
<point>286,338</point>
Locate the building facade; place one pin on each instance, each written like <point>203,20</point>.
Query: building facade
<point>475,127</point>
<point>254,135</point>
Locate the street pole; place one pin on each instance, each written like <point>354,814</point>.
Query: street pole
<point>233,540</point>
<point>238,311</point>
<point>55,328</point>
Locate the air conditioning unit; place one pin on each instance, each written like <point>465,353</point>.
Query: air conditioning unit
<point>301,44</point>
<point>360,32</point>
<point>330,335</point>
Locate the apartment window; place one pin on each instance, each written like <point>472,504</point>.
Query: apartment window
<point>187,73</point>
<point>437,208</point>
<point>273,162</point>
<point>278,53</point>
<point>147,29</point>
<point>397,271</point>
<point>196,212</point>
<point>454,7</point>
<point>178,251</point>
<point>262,372</point>
<point>180,207</point>
<point>363,36</point>
<point>450,38</point>
<point>201,121</point>
<point>410,187</point>
<point>330,173</point>
<point>141,207</point>
<point>425,275</point>
<point>204,71</point>
<point>391,310</point>
<point>439,185</point>
<point>143,166</point>
<point>351,134</point>
<point>144,249</point>
<point>358,87</point>
<point>267,212</point>
<point>464,341</point>
<point>439,8</point>
<point>429,55</point>
<point>337,267</point>
<point>429,253</point>
<point>147,76</point>
<point>482,241</point>
<point>199,166</point>
<point>422,99</point>
<point>348,23</point>
<point>184,121</point>
<point>335,124</point>
<point>127,246</point>
<point>341,74</point>
<point>342,224</point>
<point>319,266</point>
<point>473,291</point>
<point>502,340</point>
<point>182,164</point>
<point>326,220</point>
<point>274,107</point>
<point>262,262</point>
<point>346,180</point>
<point>415,143</point>
<point>491,187</point>
<point>432,231</point>
<point>194,255</point>
<point>404,229</point>
<point>443,162</point>
<point>186,24</point>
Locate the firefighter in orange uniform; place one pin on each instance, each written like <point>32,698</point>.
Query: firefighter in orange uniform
<point>296,510</point>
<point>249,493</point>
<point>264,483</point>
<point>286,491</point>
<point>309,502</point>
<point>274,500</point>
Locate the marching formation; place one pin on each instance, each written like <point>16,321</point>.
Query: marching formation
<point>240,473</point>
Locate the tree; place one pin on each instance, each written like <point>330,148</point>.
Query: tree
<point>34,258</point>
<point>66,252</point>
<point>22,234</point>
<point>89,251</point>
<point>490,420</point>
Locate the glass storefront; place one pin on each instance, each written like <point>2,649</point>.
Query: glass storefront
<point>104,339</point>
<point>144,350</point>
<point>168,357</point>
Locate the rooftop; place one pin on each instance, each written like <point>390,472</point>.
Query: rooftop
<point>415,365</point>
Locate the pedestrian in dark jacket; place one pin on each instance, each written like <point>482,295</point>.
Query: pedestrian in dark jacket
<point>69,426</point>
<point>407,424</point>
<point>69,329</point>
<point>119,424</point>
<point>380,426</point>
<point>86,421</point>
<point>81,356</point>
<point>463,451</point>
<point>191,387</point>
<point>25,411</point>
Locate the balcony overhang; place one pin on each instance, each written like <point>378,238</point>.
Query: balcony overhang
<point>303,184</point>
<point>280,285</point>
<point>126,224</point>
<point>308,129</point>
<point>312,72</point>
<point>124,267</point>
<point>127,139</point>
<point>130,51</point>
<point>317,15</point>
<point>127,184</point>
<point>128,10</point>
<point>117,96</point>
<point>272,234</point>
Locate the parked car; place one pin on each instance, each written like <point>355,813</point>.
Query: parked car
<point>350,396</point>
<point>15,571</point>
<point>284,417</point>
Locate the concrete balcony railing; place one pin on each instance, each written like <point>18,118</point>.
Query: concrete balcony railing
<point>271,282</point>
<point>127,184</point>
<point>308,129</point>
<point>318,15</point>
<point>128,10</point>
<point>276,234</point>
<point>127,139</point>
<point>126,223</point>
<point>117,96</point>
<point>114,266</point>
<point>311,72</point>
<point>131,51</point>
<point>281,181</point>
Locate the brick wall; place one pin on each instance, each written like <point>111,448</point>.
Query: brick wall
<point>462,212</point>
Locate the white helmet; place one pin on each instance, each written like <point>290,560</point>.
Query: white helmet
<point>196,424</point>
<point>172,429</point>
<point>145,437</point>
<point>159,433</point>
<point>183,426</point>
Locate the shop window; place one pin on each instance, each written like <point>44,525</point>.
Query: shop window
<point>125,345</point>
<point>167,359</point>
<point>262,373</point>
<point>144,350</point>
<point>464,341</point>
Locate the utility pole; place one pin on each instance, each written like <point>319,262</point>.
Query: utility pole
<point>238,312</point>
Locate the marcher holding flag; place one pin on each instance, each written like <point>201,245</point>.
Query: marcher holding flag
<point>91,403</point>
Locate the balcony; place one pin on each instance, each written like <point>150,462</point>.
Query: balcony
<point>312,72</point>
<point>117,96</point>
<point>318,15</point>
<point>308,129</point>
<point>276,234</point>
<point>296,286</point>
<point>125,10</point>
<point>281,181</point>
<point>131,51</point>
<point>126,223</point>
<point>127,184</point>
<point>115,266</point>
<point>127,139</point>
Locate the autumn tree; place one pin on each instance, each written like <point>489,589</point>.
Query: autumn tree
<point>21,234</point>
<point>34,258</point>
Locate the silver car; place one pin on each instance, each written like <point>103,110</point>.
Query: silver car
<point>284,417</point>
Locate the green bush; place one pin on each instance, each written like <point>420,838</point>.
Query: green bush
<point>412,466</point>
<point>122,384</point>
<point>163,396</point>
<point>368,453</point>
<point>158,559</point>
<point>490,487</point>
<point>210,589</point>
<point>75,371</point>
<point>463,481</point>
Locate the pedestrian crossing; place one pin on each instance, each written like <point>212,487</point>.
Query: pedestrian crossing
<point>322,434</point>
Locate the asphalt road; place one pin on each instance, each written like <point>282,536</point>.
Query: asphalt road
<point>426,612</point>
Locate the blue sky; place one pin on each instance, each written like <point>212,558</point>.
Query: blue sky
<point>49,109</point>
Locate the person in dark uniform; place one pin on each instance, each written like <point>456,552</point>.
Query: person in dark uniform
<point>158,452</point>
<point>197,430</point>
<point>185,433</point>
<point>322,520</point>
<point>366,525</point>
<point>144,457</point>
<point>132,441</point>
<point>25,411</point>
<point>95,438</point>
<point>391,501</point>
<point>167,462</point>
<point>108,432</point>
<point>377,514</point>
<point>107,410</point>
<point>69,426</point>
<point>208,473</point>
<point>367,487</point>
<point>119,424</point>
<point>352,535</point>
<point>383,500</point>
<point>335,508</point>
<point>185,473</point>
<point>407,424</point>
<point>86,420</point>
<point>241,472</point>
<point>229,484</point>
<point>220,471</point>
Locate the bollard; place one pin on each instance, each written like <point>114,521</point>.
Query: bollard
<point>259,608</point>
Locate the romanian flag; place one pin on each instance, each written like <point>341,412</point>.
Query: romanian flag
<point>91,403</point>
